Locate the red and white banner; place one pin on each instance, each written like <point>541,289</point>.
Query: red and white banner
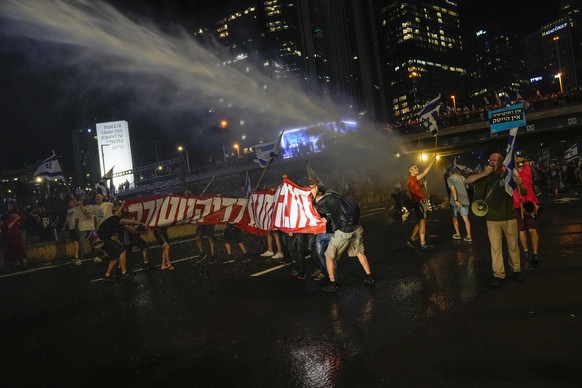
<point>287,208</point>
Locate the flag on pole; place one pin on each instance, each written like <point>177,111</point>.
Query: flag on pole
<point>312,175</point>
<point>428,115</point>
<point>109,174</point>
<point>264,152</point>
<point>248,187</point>
<point>50,168</point>
<point>509,163</point>
<point>571,153</point>
<point>497,100</point>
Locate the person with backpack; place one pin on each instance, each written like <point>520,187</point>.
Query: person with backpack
<point>341,216</point>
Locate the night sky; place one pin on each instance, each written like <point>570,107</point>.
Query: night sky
<point>42,100</point>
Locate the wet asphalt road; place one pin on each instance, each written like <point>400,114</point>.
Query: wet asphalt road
<point>431,319</point>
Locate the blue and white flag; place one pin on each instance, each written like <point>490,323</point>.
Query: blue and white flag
<point>571,153</point>
<point>428,115</point>
<point>264,152</point>
<point>50,169</point>
<point>509,163</point>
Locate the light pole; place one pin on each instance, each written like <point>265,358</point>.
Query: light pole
<point>454,104</point>
<point>180,148</point>
<point>559,77</point>
<point>236,147</point>
<point>103,157</point>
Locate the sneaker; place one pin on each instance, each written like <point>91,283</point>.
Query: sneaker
<point>525,255</point>
<point>125,276</point>
<point>534,259</point>
<point>316,272</point>
<point>468,239</point>
<point>319,276</point>
<point>277,255</point>
<point>457,236</point>
<point>426,246</point>
<point>246,258</point>
<point>267,254</point>
<point>496,282</point>
<point>201,258</point>
<point>518,277</point>
<point>300,276</point>
<point>97,260</point>
<point>295,272</point>
<point>77,262</point>
<point>147,265</point>
<point>331,287</point>
<point>109,278</point>
<point>228,259</point>
<point>369,280</point>
<point>410,243</point>
<point>212,259</point>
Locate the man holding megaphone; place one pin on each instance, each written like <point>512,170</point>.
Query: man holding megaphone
<point>501,219</point>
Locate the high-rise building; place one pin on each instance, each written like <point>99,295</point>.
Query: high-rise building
<point>423,52</point>
<point>553,54</point>
<point>87,171</point>
<point>495,64</point>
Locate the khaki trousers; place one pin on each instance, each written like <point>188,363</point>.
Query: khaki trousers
<point>496,230</point>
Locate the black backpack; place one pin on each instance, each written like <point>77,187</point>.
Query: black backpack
<point>349,213</point>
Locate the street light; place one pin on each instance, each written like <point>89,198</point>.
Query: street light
<point>236,147</point>
<point>559,77</point>
<point>103,157</point>
<point>454,104</point>
<point>180,148</point>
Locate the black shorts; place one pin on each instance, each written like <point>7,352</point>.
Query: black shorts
<point>204,230</point>
<point>136,241</point>
<point>113,248</point>
<point>420,211</point>
<point>232,235</point>
<point>161,236</point>
<point>74,234</point>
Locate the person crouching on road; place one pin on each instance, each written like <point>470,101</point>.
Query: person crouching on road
<point>111,232</point>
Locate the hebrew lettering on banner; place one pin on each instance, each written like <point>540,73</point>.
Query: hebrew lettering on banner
<point>292,211</point>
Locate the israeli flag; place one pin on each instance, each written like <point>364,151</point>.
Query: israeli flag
<point>50,168</point>
<point>509,163</point>
<point>428,116</point>
<point>264,152</point>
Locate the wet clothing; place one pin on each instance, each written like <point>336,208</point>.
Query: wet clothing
<point>416,193</point>
<point>108,230</point>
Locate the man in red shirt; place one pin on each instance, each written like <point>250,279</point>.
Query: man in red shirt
<point>420,204</point>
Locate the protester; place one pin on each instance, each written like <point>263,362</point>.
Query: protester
<point>161,235</point>
<point>111,228</point>
<point>14,253</point>
<point>419,204</point>
<point>346,236</point>
<point>71,224</point>
<point>204,230</point>
<point>232,236</point>
<point>526,210</point>
<point>459,200</point>
<point>132,237</point>
<point>501,219</point>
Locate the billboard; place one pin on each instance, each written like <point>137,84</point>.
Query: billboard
<point>114,150</point>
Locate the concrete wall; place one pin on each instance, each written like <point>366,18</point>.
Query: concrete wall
<point>38,254</point>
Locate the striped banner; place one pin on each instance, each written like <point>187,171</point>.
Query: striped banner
<point>288,208</point>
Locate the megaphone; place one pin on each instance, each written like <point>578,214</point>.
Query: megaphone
<point>94,239</point>
<point>479,208</point>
